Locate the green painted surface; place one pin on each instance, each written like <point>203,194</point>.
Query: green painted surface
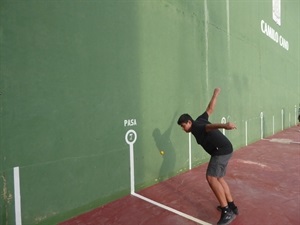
<point>73,71</point>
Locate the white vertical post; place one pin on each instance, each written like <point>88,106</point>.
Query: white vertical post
<point>273,125</point>
<point>18,216</point>
<point>130,139</point>
<point>261,125</point>
<point>132,183</point>
<point>282,119</point>
<point>190,151</point>
<point>223,120</point>
<point>295,114</point>
<point>246,132</point>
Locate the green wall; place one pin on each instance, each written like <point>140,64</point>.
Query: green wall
<point>74,72</point>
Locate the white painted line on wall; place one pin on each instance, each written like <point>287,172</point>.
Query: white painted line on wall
<point>223,121</point>
<point>282,114</point>
<point>171,210</point>
<point>273,124</point>
<point>228,28</point>
<point>261,125</point>
<point>18,216</point>
<point>295,114</point>
<point>246,132</point>
<point>206,42</point>
<point>132,183</point>
<point>130,139</point>
<point>190,151</point>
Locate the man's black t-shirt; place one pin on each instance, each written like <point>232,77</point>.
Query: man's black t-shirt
<point>213,142</point>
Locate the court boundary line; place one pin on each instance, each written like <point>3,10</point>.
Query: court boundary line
<point>130,138</point>
<point>189,217</point>
<point>281,141</point>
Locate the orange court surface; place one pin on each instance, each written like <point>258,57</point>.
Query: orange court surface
<point>264,178</point>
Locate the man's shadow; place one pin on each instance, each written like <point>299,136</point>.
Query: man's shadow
<point>166,150</point>
<point>167,169</point>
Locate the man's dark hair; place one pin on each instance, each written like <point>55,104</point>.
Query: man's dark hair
<point>184,118</point>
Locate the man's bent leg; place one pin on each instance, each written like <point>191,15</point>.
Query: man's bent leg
<point>227,215</point>
<point>218,190</point>
<point>226,189</point>
<point>228,195</point>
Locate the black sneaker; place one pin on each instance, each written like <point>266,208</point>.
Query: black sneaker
<point>226,217</point>
<point>235,210</point>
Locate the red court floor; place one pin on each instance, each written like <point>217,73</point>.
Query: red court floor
<point>264,178</point>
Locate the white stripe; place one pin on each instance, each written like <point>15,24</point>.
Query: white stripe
<point>261,125</point>
<point>282,141</point>
<point>282,113</point>
<point>132,184</point>
<point>171,209</point>
<point>228,28</point>
<point>246,132</point>
<point>273,125</point>
<point>190,151</point>
<point>17,196</point>
<point>130,138</point>
<point>206,42</point>
<point>295,114</point>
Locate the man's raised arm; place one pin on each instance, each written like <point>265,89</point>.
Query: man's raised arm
<point>211,105</point>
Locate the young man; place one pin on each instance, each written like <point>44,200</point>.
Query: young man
<point>220,148</point>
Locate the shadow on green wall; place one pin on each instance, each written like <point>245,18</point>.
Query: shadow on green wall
<point>166,148</point>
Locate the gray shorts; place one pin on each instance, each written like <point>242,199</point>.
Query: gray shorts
<point>217,165</point>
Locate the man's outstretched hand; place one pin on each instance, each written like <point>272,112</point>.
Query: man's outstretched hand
<point>230,126</point>
<point>217,91</point>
